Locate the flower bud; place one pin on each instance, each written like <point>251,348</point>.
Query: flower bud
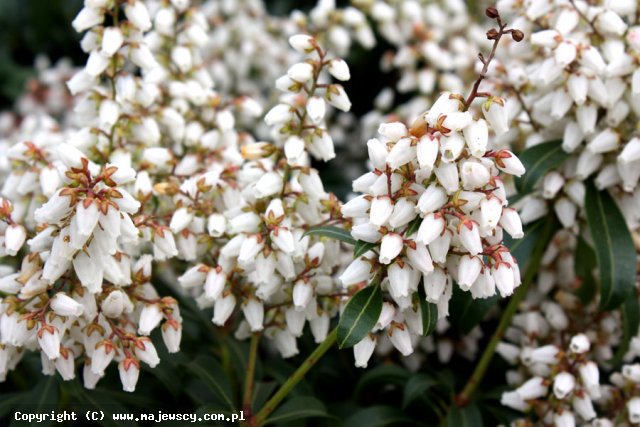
<point>63,305</point>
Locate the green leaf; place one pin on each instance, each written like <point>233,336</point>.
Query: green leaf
<point>584,271</point>
<point>467,312</point>
<point>614,248</point>
<point>331,232</point>
<point>359,316</point>
<point>362,248</point>
<point>630,322</point>
<point>297,408</point>
<point>383,375</point>
<point>413,226</point>
<point>211,373</point>
<point>416,387</point>
<point>469,416</point>
<point>538,160</point>
<point>428,311</point>
<point>377,416</point>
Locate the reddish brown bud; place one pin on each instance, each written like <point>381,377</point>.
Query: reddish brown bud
<point>492,12</point>
<point>493,34</point>
<point>517,35</point>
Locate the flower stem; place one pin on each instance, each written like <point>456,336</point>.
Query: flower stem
<point>249,380</point>
<point>474,381</point>
<point>294,379</point>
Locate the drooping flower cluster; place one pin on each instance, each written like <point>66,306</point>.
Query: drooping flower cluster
<point>434,209</point>
<point>574,79</point>
<point>82,290</point>
<point>263,263</point>
<point>562,386</point>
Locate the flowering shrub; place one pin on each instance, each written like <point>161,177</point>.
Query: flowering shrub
<point>171,210</point>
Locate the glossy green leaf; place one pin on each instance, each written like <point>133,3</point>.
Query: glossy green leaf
<point>630,322</point>
<point>211,373</point>
<point>428,311</point>
<point>538,160</point>
<point>299,407</point>
<point>584,267</point>
<point>362,248</point>
<point>377,416</point>
<point>615,253</point>
<point>416,387</point>
<point>469,416</point>
<point>359,316</point>
<point>331,232</point>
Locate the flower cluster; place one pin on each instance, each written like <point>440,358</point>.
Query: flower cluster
<point>573,78</point>
<point>263,263</point>
<point>563,383</point>
<point>434,209</point>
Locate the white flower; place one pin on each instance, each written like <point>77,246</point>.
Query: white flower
<point>87,17</point>
<point>102,357</point>
<point>254,313</point>
<point>430,229</point>
<point>496,114</point>
<point>511,222</point>
<point>114,304</point>
<point>339,69</point>
<point>590,378</point>
<point>563,384</point>
<point>468,271</point>
<point>49,341</point>
<point>393,131</point>
<point>580,344</point>
<point>112,40</point>
<point>223,309</point>
<point>150,318</point>
<point>301,72</point>
<point>129,370</point>
<point>390,247</point>
<point>470,237</point>
<point>363,351</point>
<point>14,237</point>
<point>281,113</point>
<point>65,364</point>
<point>504,278</point>
<point>316,109</point>
<point>476,135</point>
<point>63,305</point>
<point>137,13</point>
<point>633,408</point>
<point>337,97</point>
<point>534,388</point>
<point>302,43</point>
<point>400,338</point>
<point>172,335</point>
<point>357,271</point>
<point>302,295</point>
